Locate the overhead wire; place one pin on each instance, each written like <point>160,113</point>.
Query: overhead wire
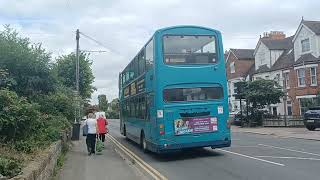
<point>100,44</point>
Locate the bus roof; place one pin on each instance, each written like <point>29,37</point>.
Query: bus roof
<point>186,26</point>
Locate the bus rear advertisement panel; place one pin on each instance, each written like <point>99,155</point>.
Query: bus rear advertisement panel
<point>173,94</point>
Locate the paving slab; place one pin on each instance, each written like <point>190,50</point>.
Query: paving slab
<point>109,165</point>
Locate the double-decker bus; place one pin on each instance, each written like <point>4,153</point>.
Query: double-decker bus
<point>173,94</point>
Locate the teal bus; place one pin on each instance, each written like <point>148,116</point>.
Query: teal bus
<point>173,94</point>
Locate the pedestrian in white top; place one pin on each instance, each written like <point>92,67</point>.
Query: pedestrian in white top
<point>91,122</point>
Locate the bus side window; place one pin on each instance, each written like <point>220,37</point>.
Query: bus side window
<point>142,62</point>
<point>149,104</point>
<point>143,108</point>
<point>136,66</point>
<point>149,55</point>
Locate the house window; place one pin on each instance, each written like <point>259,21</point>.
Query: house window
<point>274,111</point>
<point>301,77</point>
<point>305,45</point>
<point>289,108</point>
<point>305,103</point>
<point>313,76</point>
<point>286,83</point>
<point>232,68</point>
<point>234,88</point>
<point>261,57</point>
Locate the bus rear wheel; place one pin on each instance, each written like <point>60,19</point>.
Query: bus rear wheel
<point>143,143</point>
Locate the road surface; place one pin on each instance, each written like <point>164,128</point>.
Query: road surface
<point>251,156</point>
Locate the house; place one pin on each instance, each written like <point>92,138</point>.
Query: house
<point>272,52</point>
<point>239,64</point>
<point>293,63</point>
<point>304,74</point>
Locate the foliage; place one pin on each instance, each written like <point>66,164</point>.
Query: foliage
<point>9,167</point>
<point>263,92</point>
<point>36,95</point>
<point>103,102</point>
<point>18,117</point>
<point>60,102</point>
<point>258,94</point>
<point>114,111</point>
<point>5,81</point>
<point>240,89</point>
<point>28,65</point>
<point>64,69</point>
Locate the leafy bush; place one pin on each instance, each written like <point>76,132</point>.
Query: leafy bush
<point>59,103</point>
<point>9,167</point>
<point>18,117</point>
<point>23,124</point>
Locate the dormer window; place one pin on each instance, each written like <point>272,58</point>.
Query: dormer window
<point>232,68</point>
<point>305,45</point>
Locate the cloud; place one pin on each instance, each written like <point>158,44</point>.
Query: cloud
<point>124,26</point>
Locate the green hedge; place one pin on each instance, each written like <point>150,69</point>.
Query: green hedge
<point>9,167</point>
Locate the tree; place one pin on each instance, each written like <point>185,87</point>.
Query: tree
<point>257,94</point>
<point>103,102</point>
<point>5,81</point>
<point>64,69</point>
<point>240,92</point>
<point>263,92</point>
<point>26,64</point>
<point>113,111</point>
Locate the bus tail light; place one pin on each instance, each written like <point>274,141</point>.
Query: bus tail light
<point>161,126</point>
<point>228,124</point>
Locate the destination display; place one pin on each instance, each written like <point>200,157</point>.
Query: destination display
<point>195,125</point>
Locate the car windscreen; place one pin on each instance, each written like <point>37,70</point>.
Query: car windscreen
<point>192,94</point>
<point>189,49</point>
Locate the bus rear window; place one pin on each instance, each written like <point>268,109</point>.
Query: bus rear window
<point>192,94</point>
<point>189,49</point>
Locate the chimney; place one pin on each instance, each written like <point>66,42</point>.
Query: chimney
<point>274,35</point>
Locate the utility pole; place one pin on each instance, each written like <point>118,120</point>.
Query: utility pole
<point>77,61</point>
<point>76,125</point>
<point>77,115</point>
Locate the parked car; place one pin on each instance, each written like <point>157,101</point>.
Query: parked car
<point>237,118</point>
<point>312,118</point>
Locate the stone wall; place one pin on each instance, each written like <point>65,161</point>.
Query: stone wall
<point>42,167</point>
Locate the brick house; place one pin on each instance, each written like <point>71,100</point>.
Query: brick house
<point>293,62</point>
<point>239,62</point>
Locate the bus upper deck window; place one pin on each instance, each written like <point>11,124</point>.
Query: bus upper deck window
<point>189,49</point>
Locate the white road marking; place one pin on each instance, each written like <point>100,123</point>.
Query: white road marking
<point>292,150</point>
<point>240,146</point>
<point>299,158</point>
<point>250,157</point>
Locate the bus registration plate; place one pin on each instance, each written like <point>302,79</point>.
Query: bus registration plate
<point>195,125</point>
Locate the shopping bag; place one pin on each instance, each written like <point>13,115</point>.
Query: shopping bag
<point>85,130</point>
<point>99,145</point>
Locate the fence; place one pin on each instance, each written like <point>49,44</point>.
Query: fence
<point>283,121</point>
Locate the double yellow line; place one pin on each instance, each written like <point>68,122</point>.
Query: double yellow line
<point>145,166</point>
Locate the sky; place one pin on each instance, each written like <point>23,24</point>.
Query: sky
<point>123,26</point>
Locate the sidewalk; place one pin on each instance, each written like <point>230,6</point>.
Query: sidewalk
<point>298,133</point>
<point>107,166</point>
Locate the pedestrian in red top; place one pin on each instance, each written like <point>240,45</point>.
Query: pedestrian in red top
<point>102,127</point>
